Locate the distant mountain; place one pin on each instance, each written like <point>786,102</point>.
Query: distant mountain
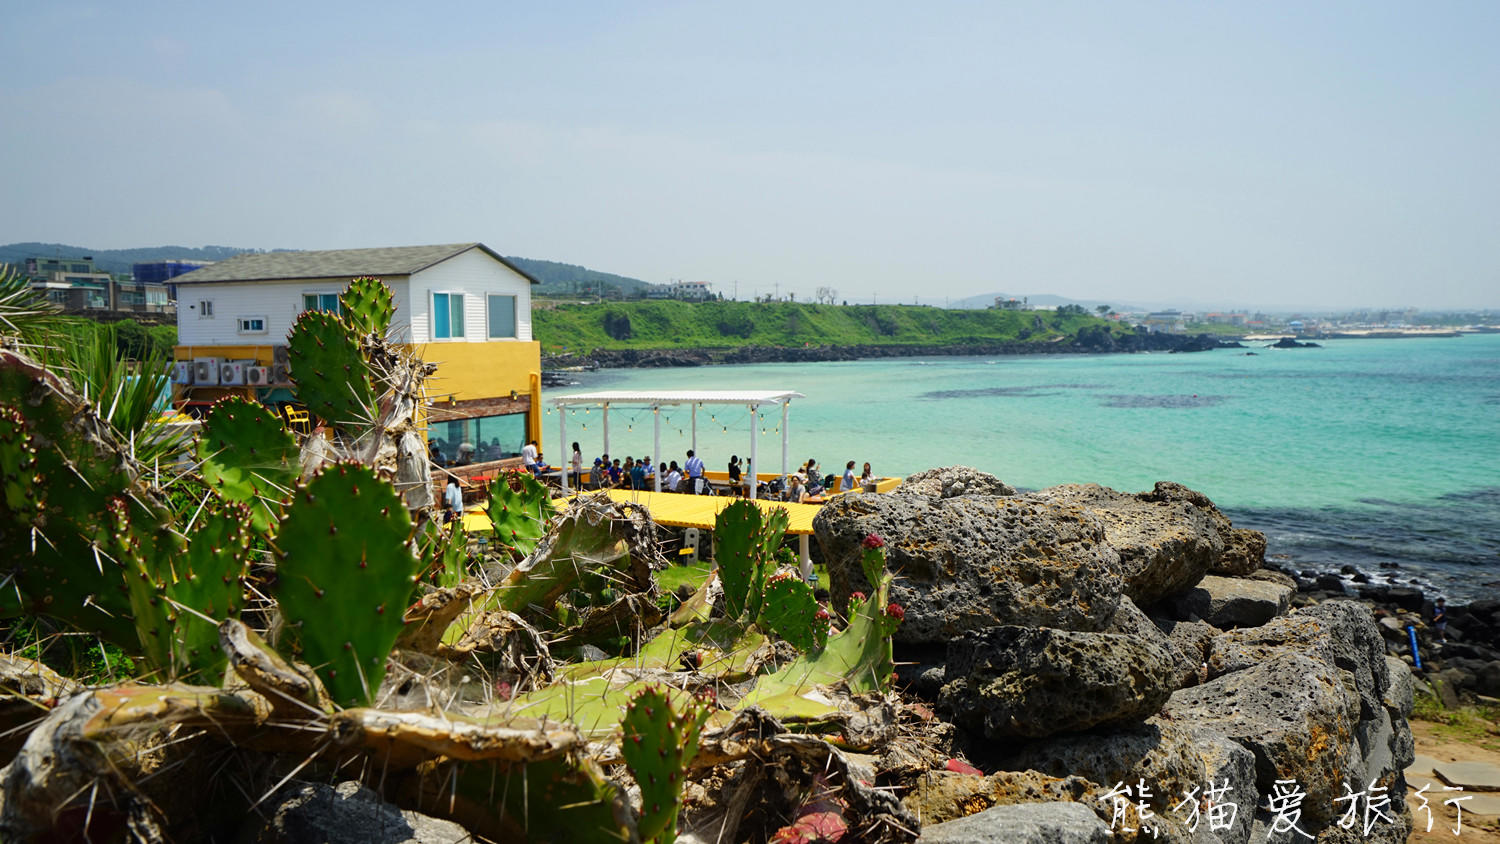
<point>555,278</point>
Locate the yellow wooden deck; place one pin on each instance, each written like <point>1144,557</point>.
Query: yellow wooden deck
<point>675,510</point>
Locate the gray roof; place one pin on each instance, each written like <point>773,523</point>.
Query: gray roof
<point>336,263</point>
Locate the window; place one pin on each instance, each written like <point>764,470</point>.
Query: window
<point>447,315</point>
<point>502,317</point>
<point>477,440</point>
<point>252,325</point>
<point>205,309</point>
<point>321,302</point>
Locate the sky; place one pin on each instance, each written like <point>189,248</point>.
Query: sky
<point>1199,154</point>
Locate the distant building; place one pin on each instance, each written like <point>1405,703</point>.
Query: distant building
<point>689,291</point>
<point>162,272</point>
<point>78,286</point>
<point>1225,319</point>
<point>1005,303</point>
<point>461,306</point>
<point>1174,322</point>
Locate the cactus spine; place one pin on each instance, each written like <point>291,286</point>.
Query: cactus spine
<point>367,305</point>
<point>519,516</point>
<point>660,739</point>
<point>344,577</point>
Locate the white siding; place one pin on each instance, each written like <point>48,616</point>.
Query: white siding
<point>278,301</point>
<point>475,274</point>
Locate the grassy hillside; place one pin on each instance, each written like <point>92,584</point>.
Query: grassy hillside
<point>676,325</point>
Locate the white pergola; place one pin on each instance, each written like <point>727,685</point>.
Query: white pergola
<point>657,399</point>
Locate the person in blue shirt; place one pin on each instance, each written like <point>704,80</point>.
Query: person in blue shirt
<point>453,502</point>
<point>846,483</point>
<point>694,469</point>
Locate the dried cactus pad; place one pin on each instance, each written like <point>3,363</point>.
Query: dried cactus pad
<point>368,305</point>
<point>344,576</point>
<point>332,377</point>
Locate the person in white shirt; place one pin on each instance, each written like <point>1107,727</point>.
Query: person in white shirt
<point>529,455</point>
<point>694,470</point>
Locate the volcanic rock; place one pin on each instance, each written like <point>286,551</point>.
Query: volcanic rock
<point>1037,682</point>
<point>1244,550</point>
<point>973,562</point>
<point>953,481</point>
<point>1232,601</point>
<point>1025,823</point>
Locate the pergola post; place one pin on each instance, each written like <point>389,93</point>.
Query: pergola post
<point>754,466</point>
<point>694,445</point>
<point>606,427</point>
<point>656,443</point>
<point>786,435</point>
<point>562,443</point>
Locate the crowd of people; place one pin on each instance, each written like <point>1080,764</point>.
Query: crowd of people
<point>804,483</point>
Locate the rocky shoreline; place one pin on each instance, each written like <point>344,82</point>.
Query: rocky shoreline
<point>1088,342</point>
<point>1124,667</point>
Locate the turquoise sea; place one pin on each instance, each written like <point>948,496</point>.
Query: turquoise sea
<point>1360,452</point>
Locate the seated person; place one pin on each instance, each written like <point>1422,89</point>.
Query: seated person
<point>796,491</point>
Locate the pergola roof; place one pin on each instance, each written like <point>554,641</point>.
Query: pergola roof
<point>661,397</point>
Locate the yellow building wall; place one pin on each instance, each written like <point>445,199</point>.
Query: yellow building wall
<point>262,355</point>
<point>487,370</point>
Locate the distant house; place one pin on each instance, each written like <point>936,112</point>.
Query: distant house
<point>461,306</point>
<point>78,286</point>
<point>1165,321</point>
<point>690,291</point>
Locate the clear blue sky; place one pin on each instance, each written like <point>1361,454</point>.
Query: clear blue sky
<point>1297,153</point>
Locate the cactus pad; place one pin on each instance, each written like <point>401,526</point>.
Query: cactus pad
<point>520,516</point>
<point>248,456</point>
<point>367,305</point>
<point>344,576</point>
<point>332,377</point>
<point>210,582</point>
<point>659,739</point>
<point>444,550</point>
<point>742,537</point>
<point>793,613</point>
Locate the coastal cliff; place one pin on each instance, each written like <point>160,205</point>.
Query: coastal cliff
<point>1085,342</point>
<point>1121,666</point>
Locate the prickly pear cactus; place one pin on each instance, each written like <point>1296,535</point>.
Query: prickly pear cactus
<point>745,541</point>
<point>344,577</point>
<point>444,553</point>
<point>248,456</point>
<point>367,305</point>
<point>333,378</point>
<point>61,467</point>
<point>143,551</point>
<point>520,517</point>
<point>793,613</point>
<point>210,580</point>
<point>659,739</point>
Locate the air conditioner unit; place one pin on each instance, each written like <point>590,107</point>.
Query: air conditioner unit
<point>258,376</point>
<point>182,373</point>
<point>232,373</point>
<point>281,374</point>
<point>281,355</point>
<point>205,371</point>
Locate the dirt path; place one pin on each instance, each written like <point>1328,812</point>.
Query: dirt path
<point>1434,742</point>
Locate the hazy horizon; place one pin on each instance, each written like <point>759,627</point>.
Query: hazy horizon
<point>1333,156</point>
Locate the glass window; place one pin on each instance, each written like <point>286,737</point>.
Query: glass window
<point>456,442</point>
<point>321,302</point>
<point>447,315</point>
<point>206,309</point>
<point>502,316</point>
<point>252,325</point>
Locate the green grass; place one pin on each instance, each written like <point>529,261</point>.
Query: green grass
<point>1476,725</point>
<point>656,324</point>
<point>691,576</point>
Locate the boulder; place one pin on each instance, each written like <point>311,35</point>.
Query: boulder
<point>1160,752</point>
<point>348,812</point>
<point>973,562</point>
<point>1165,545</point>
<point>1036,682</point>
<point>1025,823</point>
<point>1232,601</point>
<point>1244,550</point>
<point>1340,633</point>
<point>941,796</point>
<point>1229,770</point>
<point>953,481</point>
<point>1294,713</point>
<point>1131,621</point>
<point>1191,637</point>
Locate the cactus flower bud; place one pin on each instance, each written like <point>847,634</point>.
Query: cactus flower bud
<point>873,541</point>
<point>857,596</point>
<point>895,611</point>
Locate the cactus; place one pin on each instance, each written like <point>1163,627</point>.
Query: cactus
<point>444,552</point>
<point>561,799</point>
<point>859,656</point>
<point>745,541</point>
<point>248,456</point>
<point>367,305</point>
<point>659,740</point>
<point>520,517</point>
<point>211,583</point>
<point>793,613</point>
<point>61,469</point>
<point>333,378</point>
<point>344,576</point>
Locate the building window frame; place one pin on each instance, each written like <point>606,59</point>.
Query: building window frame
<point>451,325</point>
<point>322,300</point>
<point>255,324</point>
<point>205,309</point>
<point>489,317</point>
